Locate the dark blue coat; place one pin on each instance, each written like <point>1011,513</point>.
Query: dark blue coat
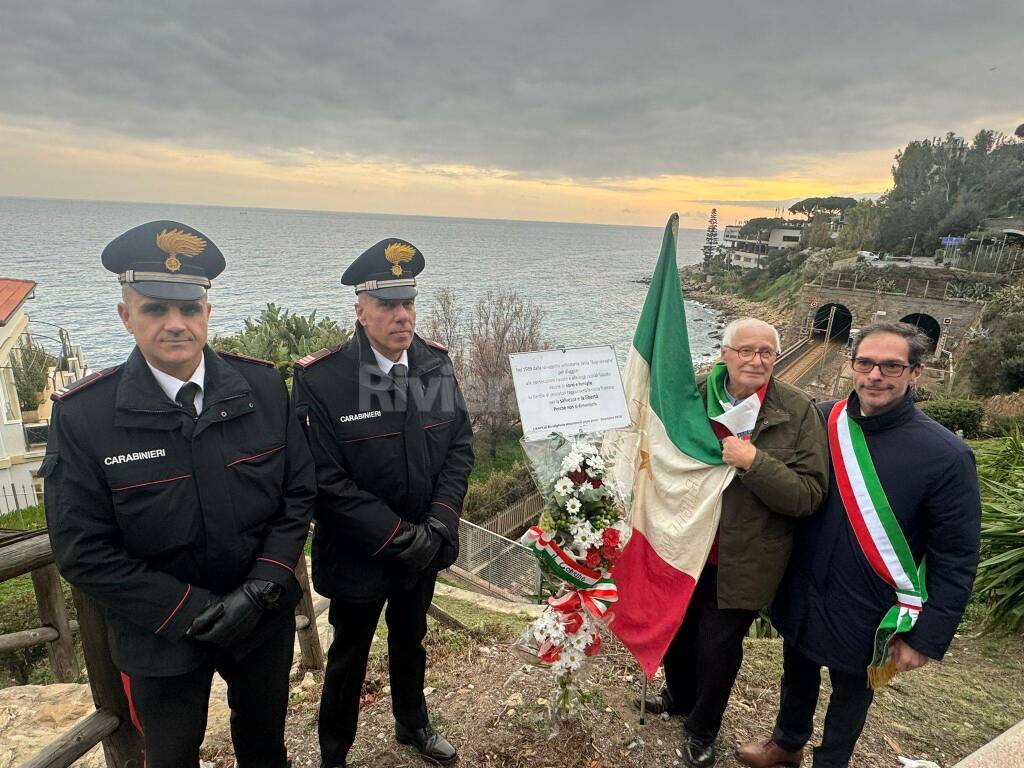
<point>830,602</point>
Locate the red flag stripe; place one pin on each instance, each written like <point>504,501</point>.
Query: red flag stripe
<point>860,529</point>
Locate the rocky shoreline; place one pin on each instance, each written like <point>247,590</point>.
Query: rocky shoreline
<point>730,306</point>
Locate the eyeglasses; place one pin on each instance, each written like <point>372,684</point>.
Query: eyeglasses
<point>888,368</point>
<point>746,354</point>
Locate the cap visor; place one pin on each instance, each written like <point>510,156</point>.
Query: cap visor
<point>173,291</point>
<point>398,292</point>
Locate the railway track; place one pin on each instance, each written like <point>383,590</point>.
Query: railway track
<point>803,359</point>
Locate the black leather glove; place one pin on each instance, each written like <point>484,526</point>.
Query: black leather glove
<point>449,551</point>
<point>227,620</point>
<point>418,546</point>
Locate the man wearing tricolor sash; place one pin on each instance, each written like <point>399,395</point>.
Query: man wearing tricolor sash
<point>880,577</point>
<point>774,459</point>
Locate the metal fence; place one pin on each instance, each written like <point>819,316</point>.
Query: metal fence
<point>505,564</point>
<point>16,497</point>
<point>516,516</point>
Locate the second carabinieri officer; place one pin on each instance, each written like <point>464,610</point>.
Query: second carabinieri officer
<point>392,443</point>
<point>179,490</point>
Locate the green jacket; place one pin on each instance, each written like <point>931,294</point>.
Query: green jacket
<point>788,479</point>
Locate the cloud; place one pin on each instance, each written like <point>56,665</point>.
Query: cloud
<point>590,91</point>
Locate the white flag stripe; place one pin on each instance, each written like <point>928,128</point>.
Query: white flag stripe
<point>677,500</point>
<point>867,507</point>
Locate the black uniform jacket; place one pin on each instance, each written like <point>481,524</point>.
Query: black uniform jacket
<point>379,462</point>
<point>151,513</point>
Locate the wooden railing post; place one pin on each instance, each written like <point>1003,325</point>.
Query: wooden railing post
<point>53,613</point>
<point>309,638</point>
<point>122,748</point>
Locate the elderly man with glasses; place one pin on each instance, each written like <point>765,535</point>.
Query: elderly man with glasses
<point>781,475</point>
<point>857,598</point>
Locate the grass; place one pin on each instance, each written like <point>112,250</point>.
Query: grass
<point>27,519</point>
<point>507,454</point>
<point>785,286</point>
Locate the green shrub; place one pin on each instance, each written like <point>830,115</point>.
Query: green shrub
<point>27,519</point>
<point>29,363</point>
<point>282,337</point>
<point>1000,579</point>
<point>488,497</point>
<point>1004,414</point>
<point>995,363</point>
<point>19,611</point>
<point>956,414</point>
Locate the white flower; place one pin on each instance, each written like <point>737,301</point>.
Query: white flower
<point>584,487</point>
<point>584,536</point>
<point>571,463</point>
<point>564,486</point>
<point>573,506</point>
<point>548,627</point>
<point>571,659</point>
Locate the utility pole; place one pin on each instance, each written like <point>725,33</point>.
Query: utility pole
<point>912,246</point>
<point>828,335</point>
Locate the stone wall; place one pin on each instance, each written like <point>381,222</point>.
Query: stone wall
<point>863,304</point>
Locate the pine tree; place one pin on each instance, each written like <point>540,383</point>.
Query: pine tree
<point>710,248</point>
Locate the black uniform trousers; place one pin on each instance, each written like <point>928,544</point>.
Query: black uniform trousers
<point>704,657</point>
<point>171,712</point>
<point>354,625</point>
<point>844,719</point>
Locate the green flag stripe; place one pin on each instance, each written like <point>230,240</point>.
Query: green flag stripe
<point>878,498</point>
<point>661,338</point>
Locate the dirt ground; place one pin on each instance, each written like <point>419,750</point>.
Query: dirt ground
<point>494,709</point>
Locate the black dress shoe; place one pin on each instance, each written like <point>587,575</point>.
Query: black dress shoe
<point>698,754</point>
<point>661,703</point>
<point>433,746</point>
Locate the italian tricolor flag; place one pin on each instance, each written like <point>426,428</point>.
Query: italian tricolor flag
<point>675,470</point>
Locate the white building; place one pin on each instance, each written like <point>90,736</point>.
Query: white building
<point>752,252</point>
<point>23,433</point>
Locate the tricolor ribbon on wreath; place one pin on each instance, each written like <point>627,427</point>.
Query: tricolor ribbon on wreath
<point>588,588</point>
<point>880,537</point>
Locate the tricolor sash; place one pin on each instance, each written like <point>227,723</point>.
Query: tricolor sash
<point>879,534</point>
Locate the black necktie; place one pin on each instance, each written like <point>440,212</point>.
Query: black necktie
<point>186,397</point>
<point>400,375</point>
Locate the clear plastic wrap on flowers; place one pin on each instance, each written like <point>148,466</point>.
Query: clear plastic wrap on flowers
<point>580,535</point>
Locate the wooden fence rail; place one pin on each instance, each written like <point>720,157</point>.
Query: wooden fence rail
<point>110,724</point>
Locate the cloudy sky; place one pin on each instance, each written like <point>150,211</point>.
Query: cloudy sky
<point>568,110</point>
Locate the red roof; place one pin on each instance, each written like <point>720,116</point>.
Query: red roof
<point>13,293</point>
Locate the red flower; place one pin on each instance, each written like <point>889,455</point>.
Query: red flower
<point>595,646</point>
<point>549,652</point>
<point>611,554</point>
<point>610,537</point>
<point>593,557</point>
<point>572,623</point>
<point>597,482</point>
<point>577,477</point>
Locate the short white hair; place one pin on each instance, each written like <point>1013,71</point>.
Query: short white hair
<point>748,322</point>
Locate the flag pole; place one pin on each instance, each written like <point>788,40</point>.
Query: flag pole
<point>643,698</point>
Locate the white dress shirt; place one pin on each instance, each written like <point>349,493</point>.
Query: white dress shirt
<point>385,364</point>
<point>171,385</point>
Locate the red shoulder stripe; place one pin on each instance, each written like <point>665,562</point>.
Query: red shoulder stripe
<point>247,358</point>
<point>435,344</point>
<point>82,383</point>
<point>309,360</point>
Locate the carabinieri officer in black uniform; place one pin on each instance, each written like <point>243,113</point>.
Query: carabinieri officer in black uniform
<point>392,444</point>
<point>179,492</point>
